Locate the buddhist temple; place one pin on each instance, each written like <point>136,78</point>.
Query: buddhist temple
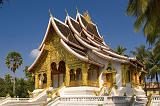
<point>75,67</point>
<point>74,60</point>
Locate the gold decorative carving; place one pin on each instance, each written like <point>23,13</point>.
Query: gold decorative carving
<point>84,73</point>
<point>123,74</point>
<point>67,78</point>
<point>36,81</point>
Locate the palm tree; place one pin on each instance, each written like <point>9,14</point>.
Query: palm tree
<point>153,65</point>
<point>147,13</point>
<point>140,53</point>
<point>156,49</point>
<point>120,50</point>
<point>8,85</point>
<point>13,62</point>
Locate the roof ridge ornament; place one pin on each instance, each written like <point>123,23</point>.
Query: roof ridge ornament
<point>87,16</point>
<point>77,10</point>
<point>66,12</point>
<point>50,14</point>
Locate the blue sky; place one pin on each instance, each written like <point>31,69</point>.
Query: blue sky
<point>23,24</point>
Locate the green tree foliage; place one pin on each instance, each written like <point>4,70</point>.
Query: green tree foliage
<point>13,62</point>
<point>120,50</point>
<point>2,88</point>
<point>153,65</point>
<point>141,53</point>
<point>30,79</point>
<point>150,59</point>
<point>147,13</point>
<point>22,86</point>
<point>8,85</point>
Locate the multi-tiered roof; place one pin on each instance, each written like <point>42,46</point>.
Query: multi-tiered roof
<point>81,38</point>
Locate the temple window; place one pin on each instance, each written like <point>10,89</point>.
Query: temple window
<point>93,73</point>
<point>54,66</point>
<point>78,74</point>
<point>45,78</point>
<point>58,75</point>
<point>72,75</point>
<point>90,74</point>
<point>62,67</point>
<point>62,70</point>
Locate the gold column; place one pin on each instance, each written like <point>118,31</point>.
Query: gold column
<point>114,77</point>
<point>67,76</point>
<point>84,73</point>
<point>99,79</point>
<point>49,80</point>
<point>36,81</point>
<point>127,74</point>
<point>134,80</point>
<point>123,74</point>
<point>138,78</point>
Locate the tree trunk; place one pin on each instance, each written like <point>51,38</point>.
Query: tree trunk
<point>14,85</point>
<point>145,85</point>
<point>157,77</point>
<point>157,81</point>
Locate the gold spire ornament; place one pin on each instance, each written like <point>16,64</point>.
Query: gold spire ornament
<point>87,17</point>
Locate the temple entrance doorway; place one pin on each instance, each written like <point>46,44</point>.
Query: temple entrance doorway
<point>108,79</point>
<point>42,80</point>
<point>58,75</point>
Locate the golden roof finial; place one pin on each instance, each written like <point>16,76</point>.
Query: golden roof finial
<point>87,16</point>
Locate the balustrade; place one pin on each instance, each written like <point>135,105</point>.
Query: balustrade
<point>82,99</point>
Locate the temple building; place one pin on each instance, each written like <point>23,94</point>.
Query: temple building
<point>74,60</point>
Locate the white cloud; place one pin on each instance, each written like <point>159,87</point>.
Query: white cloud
<point>34,53</point>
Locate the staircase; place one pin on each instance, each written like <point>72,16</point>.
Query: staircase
<point>39,100</point>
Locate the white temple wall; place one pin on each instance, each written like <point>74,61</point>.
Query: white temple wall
<point>117,67</point>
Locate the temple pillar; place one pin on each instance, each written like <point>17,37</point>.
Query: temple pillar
<point>67,76</point>
<point>100,79</point>
<point>84,73</point>
<point>36,81</point>
<point>49,80</point>
<point>114,77</point>
<point>138,78</point>
<point>133,77</point>
<point>123,75</point>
